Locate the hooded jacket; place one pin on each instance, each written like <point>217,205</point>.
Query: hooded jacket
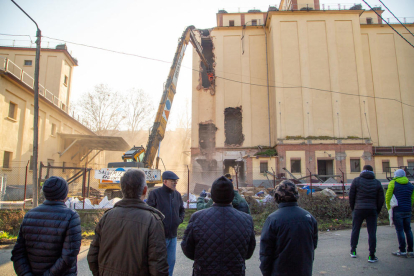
<point>403,191</point>
<point>219,240</point>
<point>239,203</point>
<point>129,240</point>
<point>170,204</point>
<point>366,192</point>
<point>49,241</point>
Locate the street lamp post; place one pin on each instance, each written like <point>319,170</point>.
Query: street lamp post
<point>36,110</point>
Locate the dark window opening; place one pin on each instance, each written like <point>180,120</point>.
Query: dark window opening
<point>355,165</point>
<point>263,167</point>
<point>7,157</point>
<point>12,110</point>
<point>369,20</point>
<point>325,169</point>
<point>233,128</point>
<point>231,23</point>
<point>295,166</point>
<point>254,22</point>
<point>386,166</point>
<point>65,80</point>
<point>207,45</point>
<point>231,166</point>
<point>207,137</point>
<point>27,63</point>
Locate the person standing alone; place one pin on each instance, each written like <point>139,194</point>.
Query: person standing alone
<point>404,192</point>
<point>366,198</point>
<point>168,200</point>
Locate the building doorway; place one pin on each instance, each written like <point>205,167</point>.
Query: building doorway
<point>230,167</point>
<point>325,169</point>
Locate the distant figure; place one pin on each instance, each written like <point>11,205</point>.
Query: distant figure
<point>366,198</point>
<point>219,239</point>
<point>50,235</point>
<point>239,203</point>
<point>129,238</point>
<point>404,192</point>
<point>168,200</point>
<point>289,236</point>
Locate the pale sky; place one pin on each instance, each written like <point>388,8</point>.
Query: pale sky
<point>146,28</point>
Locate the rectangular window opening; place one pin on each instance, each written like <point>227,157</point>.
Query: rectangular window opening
<point>263,167</point>
<point>31,163</point>
<point>233,127</point>
<point>53,130</point>
<point>7,157</point>
<point>28,63</point>
<point>65,80</point>
<point>254,22</point>
<point>295,166</point>
<point>12,110</point>
<point>231,23</point>
<point>369,20</point>
<point>386,166</point>
<point>355,165</point>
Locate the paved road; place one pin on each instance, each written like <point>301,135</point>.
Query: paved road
<point>332,257</point>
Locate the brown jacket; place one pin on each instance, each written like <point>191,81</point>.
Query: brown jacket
<point>129,240</point>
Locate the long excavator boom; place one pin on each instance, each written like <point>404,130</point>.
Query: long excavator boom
<point>161,119</point>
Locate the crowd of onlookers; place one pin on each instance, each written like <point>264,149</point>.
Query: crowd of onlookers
<point>140,238</point>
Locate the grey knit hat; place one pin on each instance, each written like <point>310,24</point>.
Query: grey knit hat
<point>55,188</point>
<point>399,173</point>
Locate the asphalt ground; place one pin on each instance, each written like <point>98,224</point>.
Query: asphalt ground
<point>331,257</point>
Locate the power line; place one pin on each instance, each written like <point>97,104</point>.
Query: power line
<point>397,18</point>
<point>241,82</point>
<point>388,24</point>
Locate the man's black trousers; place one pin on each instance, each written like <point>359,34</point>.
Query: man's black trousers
<point>358,216</point>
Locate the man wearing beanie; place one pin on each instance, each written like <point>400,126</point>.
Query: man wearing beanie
<point>404,192</point>
<point>168,200</point>
<point>50,235</point>
<point>366,198</point>
<point>219,239</point>
<point>289,236</point>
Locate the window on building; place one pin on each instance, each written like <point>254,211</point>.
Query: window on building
<point>295,166</point>
<point>355,165</point>
<point>410,167</point>
<point>31,163</point>
<point>231,23</point>
<point>12,110</point>
<point>369,20</point>
<point>254,22</point>
<point>65,80</point>
<point>263,167</point>
<point>7,157</point>
<point>386,166</point>
<point>53,130</point>
<point>27,63</point>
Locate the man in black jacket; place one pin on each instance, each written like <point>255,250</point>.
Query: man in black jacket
<point>289,236</point>
<point>168,200</point>
<point>219,239</point>
<point>366,198</point>
<point>50,235</point>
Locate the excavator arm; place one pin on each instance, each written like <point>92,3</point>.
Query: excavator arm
<point>161,119</point>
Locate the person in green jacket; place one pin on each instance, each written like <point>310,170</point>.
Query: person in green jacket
<point>238,202</point>
<point>404,192</point>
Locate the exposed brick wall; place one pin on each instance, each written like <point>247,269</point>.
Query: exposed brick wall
<point>242,19</point>
<point>316,4</point>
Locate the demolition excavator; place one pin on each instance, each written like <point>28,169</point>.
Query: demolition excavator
<point>143,158</point>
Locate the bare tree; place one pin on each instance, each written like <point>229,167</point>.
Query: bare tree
<point>139,111</point>
<point>102,110</point>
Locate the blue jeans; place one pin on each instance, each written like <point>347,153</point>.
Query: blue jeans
<point>402,222</point>
<point>171,250</point>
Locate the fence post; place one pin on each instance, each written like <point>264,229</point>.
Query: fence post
<point>310,181</point>
<point>25,185</point>
<point>188,188</point>
<point>343,184</point>
<point>89,180</point>
<point>83,186</point>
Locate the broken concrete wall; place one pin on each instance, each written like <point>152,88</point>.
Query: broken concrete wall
<point>207,137</point>
<point>208,47</point>
<point>233,127</point>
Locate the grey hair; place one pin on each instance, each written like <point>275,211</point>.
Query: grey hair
<point>133,183</point>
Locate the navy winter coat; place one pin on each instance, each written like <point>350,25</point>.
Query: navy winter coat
<point>366,192</point>
<point>219,240</point>
<point>289,238</point>
<point>49,241</point>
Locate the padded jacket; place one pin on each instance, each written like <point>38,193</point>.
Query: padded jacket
<point>289,238</point>
<point>171,204</point>
<point>49,241</point>
<point>129,240</point>
<point>403,191</point>
<point>239,203</point>
<point>219,240</point>
<point>366,192</point>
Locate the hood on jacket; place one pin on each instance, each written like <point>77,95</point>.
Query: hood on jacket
<point>367,174</point>
<point>237,198</point>
<point>401,180</point>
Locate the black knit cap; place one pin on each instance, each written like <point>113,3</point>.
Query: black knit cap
<point>222,190</point>
<point>55,188</point>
